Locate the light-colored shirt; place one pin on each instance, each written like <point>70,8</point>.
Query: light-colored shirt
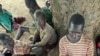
<point>84,47</point>
<point>47,35</point>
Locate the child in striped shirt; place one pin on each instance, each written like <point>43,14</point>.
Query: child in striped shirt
<point>75,43</point>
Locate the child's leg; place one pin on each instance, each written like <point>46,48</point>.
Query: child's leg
<point>20,31</point>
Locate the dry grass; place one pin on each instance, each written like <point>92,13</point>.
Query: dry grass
<point>18,8</point>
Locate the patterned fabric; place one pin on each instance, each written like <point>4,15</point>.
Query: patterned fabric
<point>84,47</point>
<point>21,48</point>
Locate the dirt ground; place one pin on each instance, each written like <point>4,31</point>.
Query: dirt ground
<point>18,8</point>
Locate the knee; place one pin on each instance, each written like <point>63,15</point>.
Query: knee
<point>23,28</point>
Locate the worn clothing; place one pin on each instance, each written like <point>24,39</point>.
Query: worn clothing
<point>47,35</point>
<point>84,47</point>
<point>6,19</point>
<point>47,41</point>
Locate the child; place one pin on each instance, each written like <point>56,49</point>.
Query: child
<point>75,43</point>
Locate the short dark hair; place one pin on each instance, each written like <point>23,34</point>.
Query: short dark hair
<point>77,19</point>
<point>31,3</point>
<point>39,13</point>
<point>47,3</point>
<point>6,40</point>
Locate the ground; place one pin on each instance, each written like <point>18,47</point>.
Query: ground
<point>18,8</point>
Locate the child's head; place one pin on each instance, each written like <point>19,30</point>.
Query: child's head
<point>32,5</point>
<point>76,25</point>
<point>40,17</point>
<point>6,42</point>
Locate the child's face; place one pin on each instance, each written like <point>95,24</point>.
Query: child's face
<point>75,34</point>
<point>75,31</point>
<point>41,21</point>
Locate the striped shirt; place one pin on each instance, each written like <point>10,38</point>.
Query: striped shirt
<point>84,47</point>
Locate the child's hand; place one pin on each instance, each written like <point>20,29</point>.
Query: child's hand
<point>31,38</point>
